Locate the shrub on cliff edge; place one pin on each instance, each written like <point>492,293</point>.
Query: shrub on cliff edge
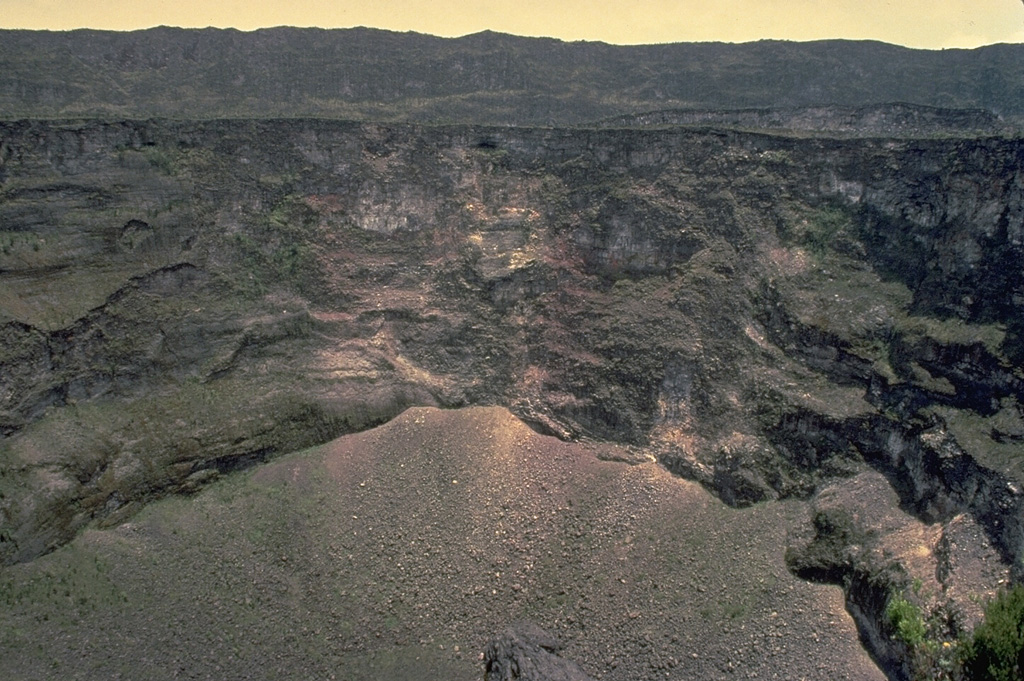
<point>995,652</point>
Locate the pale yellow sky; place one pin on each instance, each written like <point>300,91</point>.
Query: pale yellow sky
<point>916,23</point>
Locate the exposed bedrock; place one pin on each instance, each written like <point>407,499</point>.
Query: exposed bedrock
<point>765,314</point>
<point>525,651</point>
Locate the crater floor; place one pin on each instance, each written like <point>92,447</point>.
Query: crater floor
<point>399,551</point>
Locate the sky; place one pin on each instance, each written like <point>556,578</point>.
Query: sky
<point>929,24</point>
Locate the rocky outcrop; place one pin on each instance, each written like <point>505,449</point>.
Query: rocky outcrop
<point>878,120</point>
<point>592,280</point>
<point>527,652</point>
<point>765,314</point>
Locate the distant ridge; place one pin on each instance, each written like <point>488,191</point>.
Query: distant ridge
<point>889,120</point>
<point>487,77</point>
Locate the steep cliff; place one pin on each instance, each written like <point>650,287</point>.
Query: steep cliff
<point>775,317</point>
<point>871,120</point>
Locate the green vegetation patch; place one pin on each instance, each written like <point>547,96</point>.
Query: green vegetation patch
<point>995,441</point>
<point>906,620</point>
<point>820,229</point>
<point>955,332</point>
<point>995,652</point>
<point>276,249</point>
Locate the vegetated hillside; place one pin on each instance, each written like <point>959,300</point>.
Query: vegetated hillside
<point>482,78</point>
<point>831,322</point>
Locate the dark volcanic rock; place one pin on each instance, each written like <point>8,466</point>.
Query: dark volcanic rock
<point>735,301</point>
<point>769,315</point>
<point>526,652</point>
<point>876,120</point>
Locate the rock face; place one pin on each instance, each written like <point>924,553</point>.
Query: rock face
<point>878,120</point>
<point>768,315</point>
<point>527,652</point>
